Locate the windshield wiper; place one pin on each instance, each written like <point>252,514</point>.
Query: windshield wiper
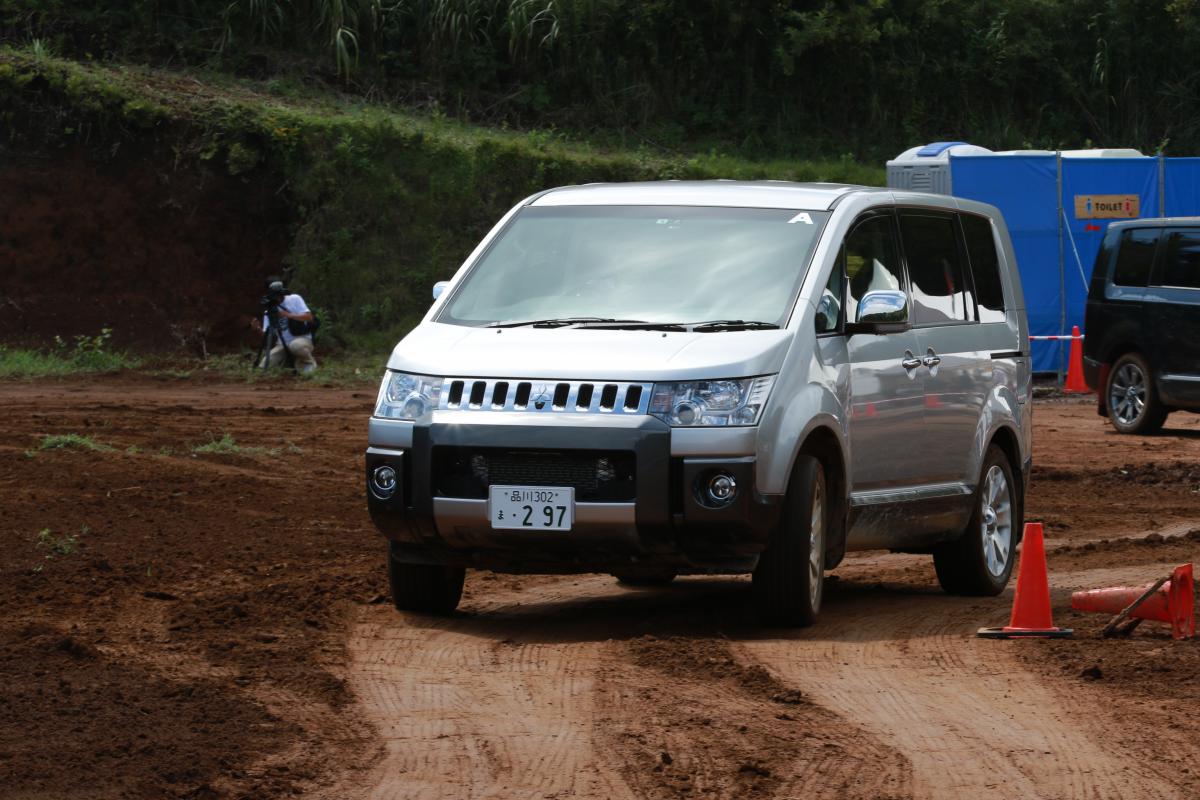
<point>717,325</point>
<point>559,322</point>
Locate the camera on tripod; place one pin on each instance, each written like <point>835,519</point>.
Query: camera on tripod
<point>270,301</point>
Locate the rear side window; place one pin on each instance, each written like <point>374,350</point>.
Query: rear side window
<point>985,267</point>
<point>1135,257</point>
<point>935,269</point>
<point>1181,266</point>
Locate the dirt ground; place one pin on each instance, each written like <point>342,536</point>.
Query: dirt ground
<point>204,625</point>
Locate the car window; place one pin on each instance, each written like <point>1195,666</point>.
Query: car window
<point>935,270</point>
<point>1135,257</point>
<point>985,267</point>
<point>1181,265</point>
<point>829,306</point>
<point>872,263</point>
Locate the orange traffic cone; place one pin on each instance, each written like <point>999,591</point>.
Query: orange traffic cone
<point>1031,617</point>
<point>1075,381</point>
<point>1172,603</point>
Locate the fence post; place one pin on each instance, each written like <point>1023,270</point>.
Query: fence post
<point>1062,281</point>
<point>1162,185</point>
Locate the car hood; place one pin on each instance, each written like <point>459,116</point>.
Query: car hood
<point>580,354</point>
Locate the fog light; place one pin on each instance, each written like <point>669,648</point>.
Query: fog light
<point>722,489</point>
<point>383,482</point>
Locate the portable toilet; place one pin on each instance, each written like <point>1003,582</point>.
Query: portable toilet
<point>927,168</point>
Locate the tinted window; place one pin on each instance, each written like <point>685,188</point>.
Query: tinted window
<point>872,263</point>
<point>985,267</point>
<point>1135,257</point>
<point>934,269</point>
<point>1181,266</point>
<point>829,306</point>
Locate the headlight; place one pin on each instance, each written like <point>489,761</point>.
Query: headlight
<point>404,396</point>
<point>707,403</point>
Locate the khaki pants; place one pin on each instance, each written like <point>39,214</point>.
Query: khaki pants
<point>301,348</point>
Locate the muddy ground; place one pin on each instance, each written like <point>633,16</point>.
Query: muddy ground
<point>213,624</point>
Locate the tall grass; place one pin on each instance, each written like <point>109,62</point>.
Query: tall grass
<point>84,354</point>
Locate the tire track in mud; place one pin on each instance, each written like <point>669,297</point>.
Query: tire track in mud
<point>559,689</point>
<point>969,717</point>
<point>472,708</point>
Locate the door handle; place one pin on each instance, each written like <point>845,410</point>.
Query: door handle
<point>931,359</point>
<point>910,361</point>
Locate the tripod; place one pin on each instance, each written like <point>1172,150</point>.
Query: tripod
<point>271,337</point>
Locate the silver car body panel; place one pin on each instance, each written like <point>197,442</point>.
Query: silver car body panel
<point>904,434</point>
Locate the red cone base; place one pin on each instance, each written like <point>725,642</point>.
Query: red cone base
<point>1031,617</point>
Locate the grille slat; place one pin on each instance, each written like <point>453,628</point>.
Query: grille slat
<point>556,397</point>
<point>597,476</point>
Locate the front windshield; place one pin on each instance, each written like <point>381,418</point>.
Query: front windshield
<point>660,264</point>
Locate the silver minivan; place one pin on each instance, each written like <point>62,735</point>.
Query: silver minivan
<point>671,378</point>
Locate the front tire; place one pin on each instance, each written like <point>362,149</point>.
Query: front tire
<point>980,562</point>
<point>426,588</point>
<point>790,577</point>
<point>1133,404</point>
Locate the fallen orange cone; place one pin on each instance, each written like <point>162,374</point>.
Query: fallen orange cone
<point>1171,601</point>
<point>1031,617</point>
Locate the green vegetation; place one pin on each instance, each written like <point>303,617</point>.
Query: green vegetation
<point>57,545</point>
<point>227,445</point>
<point>85,354</point>
<point>779,77</point>
<point>72,441</point>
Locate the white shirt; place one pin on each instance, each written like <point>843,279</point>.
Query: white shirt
<point>294,304</point>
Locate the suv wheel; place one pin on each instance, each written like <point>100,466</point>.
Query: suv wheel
<point>1133,405</point>
<point>426,588</point>
<point>790,575</point>
<point>980,561</point>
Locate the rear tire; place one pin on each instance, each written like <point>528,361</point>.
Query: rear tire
<point>645,579</point>
<point>790,576</point>
<point>1133,404</point>
<point>427,588</point>
<point>980,562</point>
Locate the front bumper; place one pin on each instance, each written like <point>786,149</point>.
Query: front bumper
<point>663,523</point>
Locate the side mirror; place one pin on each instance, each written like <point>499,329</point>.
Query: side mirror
<point>881,311</point>
<point>438,288</point>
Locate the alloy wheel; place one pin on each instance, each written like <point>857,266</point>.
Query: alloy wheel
<point>996,511</point>
<point>1127,394</point>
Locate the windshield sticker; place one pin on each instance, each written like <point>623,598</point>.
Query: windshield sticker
<point>801,217</point>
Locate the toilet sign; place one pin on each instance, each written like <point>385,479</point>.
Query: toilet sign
<point>1107,206</point>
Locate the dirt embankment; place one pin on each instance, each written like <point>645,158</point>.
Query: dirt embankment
<point>168,258</point>
<point>212,624</point>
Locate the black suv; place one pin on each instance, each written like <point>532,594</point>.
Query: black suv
<point>1142,351</point>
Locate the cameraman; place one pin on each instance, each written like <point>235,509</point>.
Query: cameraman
<point>293,328</point>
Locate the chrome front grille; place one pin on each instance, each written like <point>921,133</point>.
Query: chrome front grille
<point>548,397</point>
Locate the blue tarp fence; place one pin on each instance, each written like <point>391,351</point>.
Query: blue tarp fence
<point>1048,203</point>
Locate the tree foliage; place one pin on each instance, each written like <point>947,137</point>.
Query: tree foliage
<point>864,75</point>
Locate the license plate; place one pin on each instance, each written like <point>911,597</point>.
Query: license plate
<point>532,508</point>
